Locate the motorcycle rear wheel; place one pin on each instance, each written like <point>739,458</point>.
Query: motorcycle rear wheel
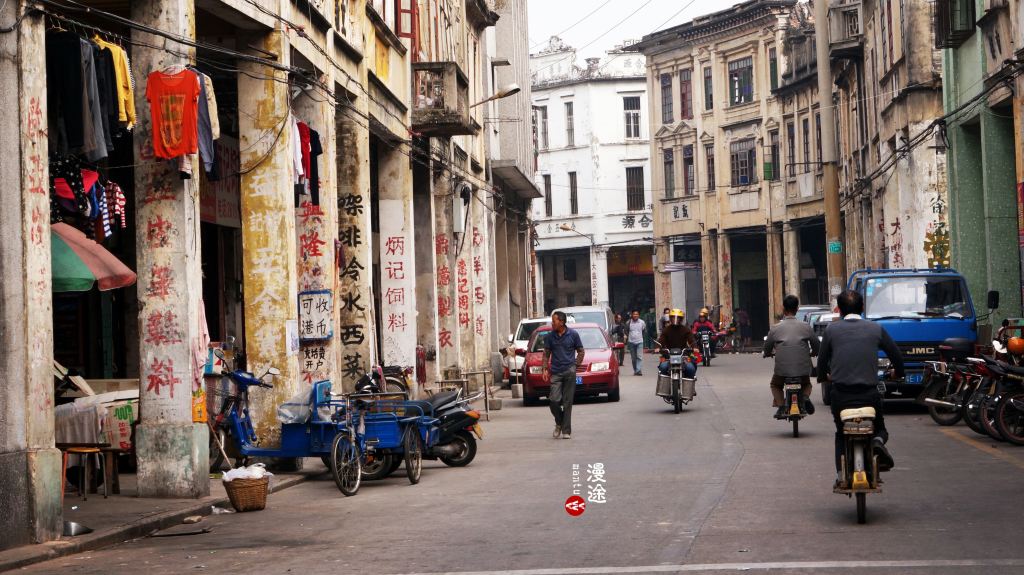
<point>1010,418</point>
<point>467,452</point>
<point>862,508</point>
<point>970,410</point>
<point>379,468</point>
<point>796,427</point>
<point>987,417</point>
<point>946,416</point>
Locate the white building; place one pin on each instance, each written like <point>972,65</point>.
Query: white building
<point>594,222</point>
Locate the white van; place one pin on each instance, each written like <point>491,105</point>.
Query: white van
<point>600,314</point>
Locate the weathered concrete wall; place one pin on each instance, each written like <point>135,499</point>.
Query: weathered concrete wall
<point>316,227</point>
<point>725,274</point>
<point>426,286</point>
<point>480,269</point>
<point>396,251</point>
<point>268,233</point>
<point>29,465</point>
<point>355,278</point>
<point>449,345</point>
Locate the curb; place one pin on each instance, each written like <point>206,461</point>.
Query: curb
<point>31,554</point>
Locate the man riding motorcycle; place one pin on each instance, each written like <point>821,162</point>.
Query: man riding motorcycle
<point>849,359</point>
<point>676,336</point>
<point>793,343</point>
<point>703,323</point>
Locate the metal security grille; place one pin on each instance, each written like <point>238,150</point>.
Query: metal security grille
<point>634,189</point>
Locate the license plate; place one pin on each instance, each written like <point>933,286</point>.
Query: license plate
<point>479,430</point>
<point>579,380</point>
<point>915,377</point>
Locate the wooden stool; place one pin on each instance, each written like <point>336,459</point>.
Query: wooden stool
<point>91,454</point>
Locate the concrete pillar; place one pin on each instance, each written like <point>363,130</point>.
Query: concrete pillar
<point>480,269</point>
<point>316,226</point>
<point>446,246</point>
<point>503,258</point>
<point>725,274</point>
<point>269,245</point>
<point>775,266</point>
<point>396,251</point>
<point>29,464</point>
<point>172,450</point>
<point>599,275</point>
<point>791,260</point>
<point>663,296</point>
<point>355,277</point>
<point>426,266</point>
<point>709,268</point>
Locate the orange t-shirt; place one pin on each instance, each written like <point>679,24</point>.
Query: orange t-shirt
<point>174,105</point>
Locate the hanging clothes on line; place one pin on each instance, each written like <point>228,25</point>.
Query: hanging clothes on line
<point>315,150</point>
<point>174,105</point>
<point>205,128</point>
<point>124,83</point>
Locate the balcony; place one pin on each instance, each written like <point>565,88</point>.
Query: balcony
<point>846,29</point>
<point>441,106</point>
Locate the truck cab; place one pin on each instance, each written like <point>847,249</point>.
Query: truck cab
<point>920,308</point>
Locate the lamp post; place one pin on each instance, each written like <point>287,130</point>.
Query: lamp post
<point>505,92</point>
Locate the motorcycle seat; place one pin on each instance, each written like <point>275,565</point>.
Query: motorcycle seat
<point>440,399</point>
<point>858,413</point>
<point>416,408</point>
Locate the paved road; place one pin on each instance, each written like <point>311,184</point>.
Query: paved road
<point>721,487</point>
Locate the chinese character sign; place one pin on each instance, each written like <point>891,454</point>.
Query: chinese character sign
<point>315,311</point>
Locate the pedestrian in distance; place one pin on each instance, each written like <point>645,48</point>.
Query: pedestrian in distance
<point>663,321</point>
<point>743,321</point>
<point>635,329</point>
<point>563,355</point>
<point>849,359</point>
<point>793,343</point>
<point>618,335</point>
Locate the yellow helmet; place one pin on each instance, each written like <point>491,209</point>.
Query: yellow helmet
<point>677,313</point>
<point>704,311</point>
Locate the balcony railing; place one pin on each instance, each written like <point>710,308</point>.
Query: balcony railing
<point>441,105</point>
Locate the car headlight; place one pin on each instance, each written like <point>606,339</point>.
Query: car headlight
<point>600,366</point>
<point>884,363</point>
<point>536,370</point>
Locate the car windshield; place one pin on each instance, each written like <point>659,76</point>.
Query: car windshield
<point>915,297</point>
<point>526,329</point>
<point>591,337</point>
<point>586,317</point>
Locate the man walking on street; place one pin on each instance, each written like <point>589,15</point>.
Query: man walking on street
<point>563,354</point>
<point>793,343</point>
<point>849,360</point>
<point>635,329</point>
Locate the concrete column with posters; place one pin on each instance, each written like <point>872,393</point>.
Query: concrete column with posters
<point>29,465</point>
<point>790,260</point>
<point>396,251</point>
<point>268,234</point>
<point>599,275</point>
<point>725,274</point>
<point>316,226</point>
<point>354,334</point>
<point>446,248</point>
<point>480,268</point>
<point>775,272</point>
<point>709,270</point>
<point>172,450</point>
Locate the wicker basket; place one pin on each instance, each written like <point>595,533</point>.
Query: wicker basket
<point>247,494</point>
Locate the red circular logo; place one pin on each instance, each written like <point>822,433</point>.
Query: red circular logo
<point>575,506</point>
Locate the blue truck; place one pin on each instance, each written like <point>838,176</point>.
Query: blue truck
<point>920,308</point>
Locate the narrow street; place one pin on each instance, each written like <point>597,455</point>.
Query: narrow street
<point>721,487</point>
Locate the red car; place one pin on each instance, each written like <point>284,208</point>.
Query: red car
<point>598,374</point>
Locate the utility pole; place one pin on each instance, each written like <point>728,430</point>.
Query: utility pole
<point>830,180</point>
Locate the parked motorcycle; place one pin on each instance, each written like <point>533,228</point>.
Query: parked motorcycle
<point>859,473</point>
<point>458,431</point>
<point>674,388</point>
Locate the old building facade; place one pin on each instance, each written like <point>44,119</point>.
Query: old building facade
<point>320,260</point>
<point>595,223</point>
<point>726,209</point>
<point>892,165</point>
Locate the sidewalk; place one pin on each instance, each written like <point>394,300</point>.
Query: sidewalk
<point>124,517</point>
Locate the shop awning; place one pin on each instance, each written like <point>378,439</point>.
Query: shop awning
<point>79,262</point>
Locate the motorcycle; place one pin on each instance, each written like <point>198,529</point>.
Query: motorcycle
<point>858,464</point>
<point>458,429</point>
<point>674,388</point>
<point>706,344</point>
<point>792,390</point>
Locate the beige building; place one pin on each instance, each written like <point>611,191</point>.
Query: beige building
<point>724,200</point>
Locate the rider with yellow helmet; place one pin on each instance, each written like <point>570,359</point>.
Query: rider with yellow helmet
<point>676,336</point>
